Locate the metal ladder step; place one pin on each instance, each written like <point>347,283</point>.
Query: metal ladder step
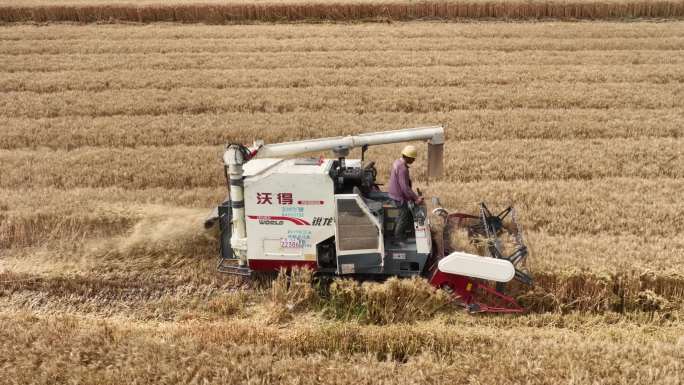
<point>229,266</point>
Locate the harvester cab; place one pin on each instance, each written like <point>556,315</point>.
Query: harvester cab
<point>331,216</point>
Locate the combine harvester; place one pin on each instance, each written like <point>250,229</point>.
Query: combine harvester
<point>330,215</point>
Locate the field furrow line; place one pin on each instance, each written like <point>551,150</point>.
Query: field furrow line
<point>341,99</point>
<point>424,29</point>
<point>338,45</point>
<point>469,60</point>
<point>308,77</point>
<point>320,34</point>
<point>71,132</point>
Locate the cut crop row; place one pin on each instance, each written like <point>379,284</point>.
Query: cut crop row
<point>351,45</point>
<point>193,166</point>
<point>434,76</point>
<point>555,29</point>
<point>359,100</point>
<point>71,132</point>
<point>463,60</point>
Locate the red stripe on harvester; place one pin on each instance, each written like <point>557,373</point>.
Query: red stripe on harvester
<point>296,221</point>
<point>274,264</point>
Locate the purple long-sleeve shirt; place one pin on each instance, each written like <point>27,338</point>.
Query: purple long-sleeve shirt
<point>400,183</point>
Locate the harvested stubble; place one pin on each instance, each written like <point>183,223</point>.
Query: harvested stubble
<point>329,11</point>
<point>109,351</point>
<point>136,296</point>
<point>41,227</point>
<point>24,225</point>
<point>157,242</point>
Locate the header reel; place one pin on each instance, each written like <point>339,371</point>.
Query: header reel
<point>492,235</point>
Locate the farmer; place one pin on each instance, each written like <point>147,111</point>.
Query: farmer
<point>401,192</point>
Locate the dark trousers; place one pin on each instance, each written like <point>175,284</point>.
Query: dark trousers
<point>404,221</point>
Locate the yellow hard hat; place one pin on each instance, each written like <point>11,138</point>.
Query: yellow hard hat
<point>410,152</point>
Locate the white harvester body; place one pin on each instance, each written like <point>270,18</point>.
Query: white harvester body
<point>289,206</point>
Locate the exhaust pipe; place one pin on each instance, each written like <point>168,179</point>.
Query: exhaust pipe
<point>234,158</point>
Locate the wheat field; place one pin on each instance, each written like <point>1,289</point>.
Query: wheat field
<point>296,11</point>
<point>110,159</point>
